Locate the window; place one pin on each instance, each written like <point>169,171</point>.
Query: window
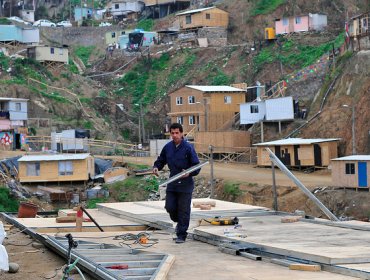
<point>52,50</point>
<point>188,19</point>
<point>191,120</point>
<point>113,34</point>
<point>18,107</point>
<point>33,169</point>
<point>285,21</point>
<point>60,51</point>
<point>254,109</point>
<point>227,99</point>
<point>208,16</point>
<point>65,168</point>
<point>191,99</point>
<point>179,100</point>
<point>180,120</point>
<point>350,168</point>
<point>298,20</point>
<point>116,6</point>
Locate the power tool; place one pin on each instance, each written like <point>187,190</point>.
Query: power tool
<point>223,221</point>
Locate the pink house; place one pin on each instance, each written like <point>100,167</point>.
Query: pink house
<point>300,23</point>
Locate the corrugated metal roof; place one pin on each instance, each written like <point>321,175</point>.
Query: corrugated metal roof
<point>12,99</point>
<point>354,157</point>
<point>53,157</point>
<point>297,141</point>
<point>194,11</point>
<point>216,88</point>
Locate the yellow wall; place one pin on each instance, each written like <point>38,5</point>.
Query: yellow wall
<point>43,53</point>
<point>49,171</point>
<point>218,18</point>
<point>341,179</point>
<point>218,113</point>
<point>223,141</point>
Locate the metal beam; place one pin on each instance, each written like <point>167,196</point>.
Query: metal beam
<point>177,176</point>
<point>306,191</point>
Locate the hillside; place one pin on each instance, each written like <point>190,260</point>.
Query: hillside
<point>149,79</point>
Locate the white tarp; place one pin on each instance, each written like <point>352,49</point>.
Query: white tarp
<point>4,262</point>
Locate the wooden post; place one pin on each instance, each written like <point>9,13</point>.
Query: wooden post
<point>79,219</point>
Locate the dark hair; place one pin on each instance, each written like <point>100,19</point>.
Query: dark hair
<point>176,126</point>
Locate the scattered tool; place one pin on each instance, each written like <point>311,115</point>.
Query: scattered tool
<point>222,221</point>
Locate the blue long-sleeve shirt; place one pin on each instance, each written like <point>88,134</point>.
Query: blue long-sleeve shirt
<point>178,159</point>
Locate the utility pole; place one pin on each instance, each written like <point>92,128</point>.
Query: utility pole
<point>212,179</point>
<point>353,131</point>
<point>142,121</point>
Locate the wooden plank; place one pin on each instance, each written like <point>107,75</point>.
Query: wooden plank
<point>165,268</point>
<point>305,267</point>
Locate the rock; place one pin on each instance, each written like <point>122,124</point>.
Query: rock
<point>37,245</point>
<point>13,267</point>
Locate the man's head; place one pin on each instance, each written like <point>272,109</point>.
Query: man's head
<point>176,132</point>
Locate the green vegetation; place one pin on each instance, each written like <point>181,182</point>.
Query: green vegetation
<point>232,189</point>
<point>218,78</point>
<point>5,21</point>
<point>141,83</point>
<point>55,96</point>
<point>145,24</point>
<point>7,202</point>
<point>4,61</point>
<point>294,54</point>
<point>85,100</point>
<point>263,7</point>
<point>88,125</point>
<point>72,67</point>
<point>135,166</point>
<point>131,189</point>
<point>84,53</point>
<point>91,203</point>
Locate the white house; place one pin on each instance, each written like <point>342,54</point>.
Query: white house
<point>122,8</point>
<point>276,109</point>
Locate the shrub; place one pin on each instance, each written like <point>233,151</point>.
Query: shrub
<point>7,202</point>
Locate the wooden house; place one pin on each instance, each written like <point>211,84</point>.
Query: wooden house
<point>56,168</point>
<point>13,122</point>
<point>358,31</point>
<point>351,171</point>
<point>302,23</point>
<point>299,152</point>
<point>205,17</point>
<point>359,25</point>
<point>205,108</point>
<point>162,8</point>
<point>49,54</point>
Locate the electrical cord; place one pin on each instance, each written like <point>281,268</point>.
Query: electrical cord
<point>142,239</point>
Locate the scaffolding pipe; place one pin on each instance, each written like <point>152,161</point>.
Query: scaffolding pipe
<point>306,191</point>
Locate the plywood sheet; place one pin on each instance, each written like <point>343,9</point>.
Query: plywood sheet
<point>314,242</point>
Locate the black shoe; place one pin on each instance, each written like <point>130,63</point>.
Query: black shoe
<point>179,240</point>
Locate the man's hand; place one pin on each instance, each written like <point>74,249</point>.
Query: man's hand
<point>185,175</point>
<point>155,171</point>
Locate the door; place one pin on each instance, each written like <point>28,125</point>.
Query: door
<point>278,152</point>
<point>297,162</point>
<point>362,174</point>
<point>317,155</point>
<point>17,141</point>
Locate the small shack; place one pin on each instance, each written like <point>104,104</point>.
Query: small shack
<point>301,23</point>
<point>56,168</point>
<point>20,34</point>
<point>298,152</point>
<point>49,54</point>
<point>205,17</point>
<point>351,171</point>
<point>112,37</point>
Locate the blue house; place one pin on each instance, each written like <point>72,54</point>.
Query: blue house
<point>25,35</point>
<point>83,13</point>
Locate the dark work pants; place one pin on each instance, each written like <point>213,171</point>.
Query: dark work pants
<point>178,206</point>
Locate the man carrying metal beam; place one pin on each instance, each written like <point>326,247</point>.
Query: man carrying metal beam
<point>179,155</point>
